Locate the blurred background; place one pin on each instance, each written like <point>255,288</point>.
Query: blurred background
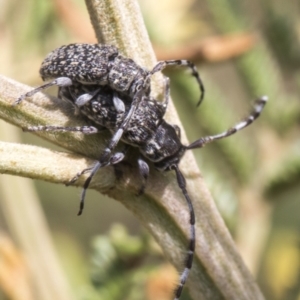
<point>243,49</point>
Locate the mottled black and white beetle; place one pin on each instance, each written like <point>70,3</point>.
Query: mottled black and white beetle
<point>102,65</point>
<point>108,105</point>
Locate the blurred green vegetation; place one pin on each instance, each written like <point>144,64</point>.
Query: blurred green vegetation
<point>254,176</point>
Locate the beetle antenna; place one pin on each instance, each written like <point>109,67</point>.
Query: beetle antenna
<point>258,107</point>
<point>191,248</point>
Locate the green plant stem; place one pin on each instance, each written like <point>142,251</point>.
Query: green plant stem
<point>25,219</point>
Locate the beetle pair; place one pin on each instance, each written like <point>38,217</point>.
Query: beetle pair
<point>115,93</point>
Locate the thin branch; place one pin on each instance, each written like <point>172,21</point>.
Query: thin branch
<point>211,49</point>
<point>218,269</point>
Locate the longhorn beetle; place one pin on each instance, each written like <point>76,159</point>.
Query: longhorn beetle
<point>103,65</point>
<point>129,113</point>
